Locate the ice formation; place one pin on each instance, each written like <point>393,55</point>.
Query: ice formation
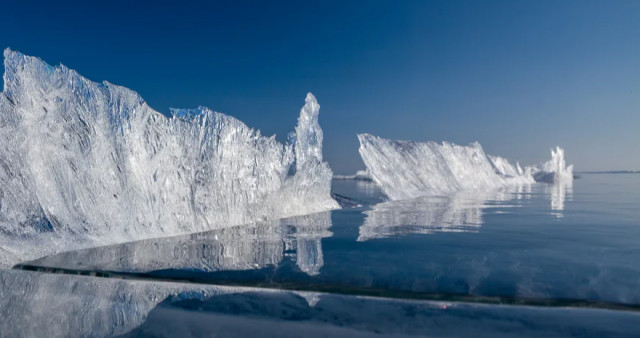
<point>360,175</point>
<point>94,160</point>
<point>407,169</point>
<point>554,170</point>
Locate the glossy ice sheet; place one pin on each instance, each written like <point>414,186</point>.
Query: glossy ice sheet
<point>54,305</point>
<point>540,245</point>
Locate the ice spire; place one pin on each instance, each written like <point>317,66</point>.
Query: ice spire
<point>308,134</point>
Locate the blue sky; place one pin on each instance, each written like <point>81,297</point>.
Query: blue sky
<point>517,76</point>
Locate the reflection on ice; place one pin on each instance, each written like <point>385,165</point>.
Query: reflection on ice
<point>423,215</point>
<point>307,239</point>
<point>519,254</point>
<point>367,187</point>
<point>559,192</point>
<point>244,247</point>
<point>459,212</point>
<point>48,305</point>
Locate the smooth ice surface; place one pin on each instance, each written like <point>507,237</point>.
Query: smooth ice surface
<point>507,246</point>
<point>244,247</point>
<point>76,306</point>
<point>85,163</point>
<point>458,212</point>
<point>407,169</point>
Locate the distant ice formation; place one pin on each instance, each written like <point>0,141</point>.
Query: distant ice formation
<point>93,160</point>
<point>406,169</point>
<point>554,170</point>
<point>360,175</point>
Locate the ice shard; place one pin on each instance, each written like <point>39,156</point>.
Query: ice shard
<point>407,169</point>
<point>554,170</point>
<point>93,160</point>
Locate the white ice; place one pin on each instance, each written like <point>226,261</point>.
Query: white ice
<point>88,162</point>
<point>407,169</point>
<point>554,170</point>
<point>360,175</point>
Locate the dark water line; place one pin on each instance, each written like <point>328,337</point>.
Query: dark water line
<point>347,290</point>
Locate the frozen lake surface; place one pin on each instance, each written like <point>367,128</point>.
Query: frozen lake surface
<point>535,260</point>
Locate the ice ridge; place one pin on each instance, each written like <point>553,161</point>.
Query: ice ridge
<point>407,169</point>
<point>554,170</point>
<point>93,160</point>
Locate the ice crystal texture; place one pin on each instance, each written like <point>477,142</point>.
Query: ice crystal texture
<point>407,169</point>
<point>554,170</point>
<point>94,160</point>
